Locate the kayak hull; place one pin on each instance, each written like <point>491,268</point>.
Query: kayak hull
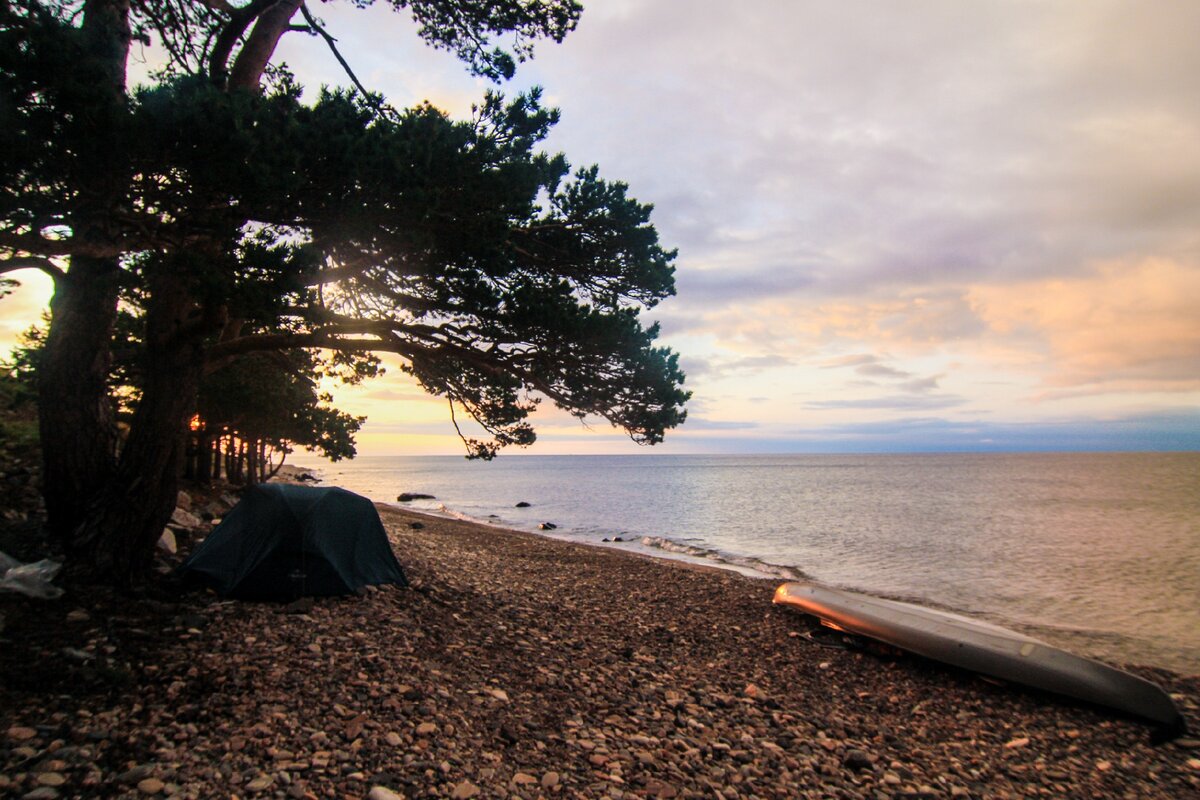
<point>986,649</point>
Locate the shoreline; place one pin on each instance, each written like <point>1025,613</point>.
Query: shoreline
<point>775,574</point>
<point>521,666</point>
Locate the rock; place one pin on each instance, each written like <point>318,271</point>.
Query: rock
<point>407,497</point>
<point>856,759</point>
<point>1015,743</point>
<point>550,780</point>
<point>383,793</point>
<point>167,542</point>
<point>464,790</point>
<point>260,784</point>
<point>393,739</point>
<point>416,526</point>
<point>426,729</point>
<point>523,504</point>
<point>78,615</point>
<point>19,733</point>
<point>1193,763</point>
<point>183,500</point>
<point>150,786</point>
<point>41,793</point>
<point>135,774</point>
<point>301,605</point>
<point>185,519</point>
<point>547,526</point>
<point>499,694</point>
<point>51,779</point>
<point>524,779</point>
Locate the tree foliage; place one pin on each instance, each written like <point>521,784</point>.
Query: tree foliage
<point>246,220</point>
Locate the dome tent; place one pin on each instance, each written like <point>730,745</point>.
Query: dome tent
<point>282,542</point>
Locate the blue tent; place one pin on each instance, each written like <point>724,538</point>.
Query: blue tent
<point>281,542</point>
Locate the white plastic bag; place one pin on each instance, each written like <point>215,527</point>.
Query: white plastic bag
<point>29,579</point>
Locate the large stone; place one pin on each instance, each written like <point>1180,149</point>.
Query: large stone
<point>41,793</point>
<point>150,786</point>
<point>185,519</point>
<point>383,793</point>
<point>167,542</point>
<point>857,759</point>
<point>184,501</point>
<point>406,497</point>
<point>19,733</point>
<point>464,791</point>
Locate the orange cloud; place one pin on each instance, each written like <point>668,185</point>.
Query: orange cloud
<point>1124,327</point>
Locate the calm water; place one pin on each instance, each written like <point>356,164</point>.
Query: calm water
<point>1096,552</point>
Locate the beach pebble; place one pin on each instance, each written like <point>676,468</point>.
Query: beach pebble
<point>464,790</point>
<point>427,729</point>
<point>260,784</point>
<point>857,759</point>
<point>1015,743</point>
<point>550,780</point>
<point>41,793</point>
<point>19,733</point>
<point>150,786</point>
<point>380,793</point>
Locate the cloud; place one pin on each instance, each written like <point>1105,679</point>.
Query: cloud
<point>700,424</point>
<point>1123,327</point>
<point>881,371</point>
<point>1164,429</point>
<point>892,402</point>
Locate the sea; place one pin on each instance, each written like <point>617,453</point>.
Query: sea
<point>1095,552</point>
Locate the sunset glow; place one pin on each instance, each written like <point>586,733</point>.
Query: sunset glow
<point>918,227</point>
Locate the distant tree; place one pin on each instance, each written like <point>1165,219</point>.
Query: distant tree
<point>247,221</point>
<point>256,410</point>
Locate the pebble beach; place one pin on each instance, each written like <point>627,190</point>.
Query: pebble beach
<point>517,666</point>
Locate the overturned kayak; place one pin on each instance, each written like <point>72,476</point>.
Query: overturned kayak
<point>986,649</point>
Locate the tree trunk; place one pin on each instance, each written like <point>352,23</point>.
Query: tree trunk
<point>116,542</point>
<point>76,418</point>
<point>252,462</point>
<point>75,415</point>
<point>204,458</point>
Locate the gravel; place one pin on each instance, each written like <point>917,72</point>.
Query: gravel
<point>517,666</point>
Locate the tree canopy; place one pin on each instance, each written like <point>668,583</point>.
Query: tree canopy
<point>247,220</point>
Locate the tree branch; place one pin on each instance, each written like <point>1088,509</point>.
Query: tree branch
<point>239,21</point>
<point>269,27</point>
<point>380,109</point>
<point>14,263</point>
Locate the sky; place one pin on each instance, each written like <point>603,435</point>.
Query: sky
<point>920,226</point>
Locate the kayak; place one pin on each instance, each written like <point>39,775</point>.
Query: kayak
<point>986,649</point>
